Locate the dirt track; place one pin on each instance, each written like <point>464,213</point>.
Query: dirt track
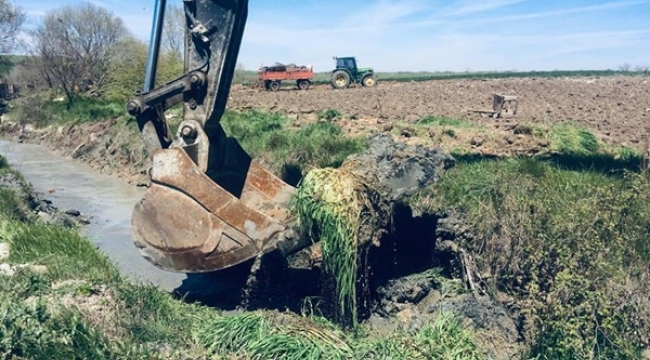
<point>617,109</point>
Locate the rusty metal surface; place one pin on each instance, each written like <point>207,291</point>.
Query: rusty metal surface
<point>188,223</point>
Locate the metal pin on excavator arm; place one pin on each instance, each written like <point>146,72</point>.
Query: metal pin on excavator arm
<point>210,206</point>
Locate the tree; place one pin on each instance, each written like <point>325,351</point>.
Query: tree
<point>12,19</point>
<point>127,70</point>
<point>76,45</point>
<point>174,31</point>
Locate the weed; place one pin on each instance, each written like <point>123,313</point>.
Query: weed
<point>568,138</point>
<point>329,115</point>
<point>444,121</point>
<point>572,245</point>
<point>449,132</point>
<point>266,139</point>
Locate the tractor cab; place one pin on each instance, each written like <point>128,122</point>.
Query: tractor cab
<point>348,63</point>
<point>347,72</point>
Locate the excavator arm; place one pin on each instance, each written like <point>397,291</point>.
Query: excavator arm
<point>210,206</point>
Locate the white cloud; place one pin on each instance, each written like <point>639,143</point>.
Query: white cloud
<point>464,7</point>
<point>576,10</point>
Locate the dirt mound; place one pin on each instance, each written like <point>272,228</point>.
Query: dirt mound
<point>111,147</point>
<point>400,169</point>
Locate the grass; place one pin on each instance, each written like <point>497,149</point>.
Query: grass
<point>261,335</point>
<point>80,307</point>
<point>572,245</point>
<point>430,126</point>
<point>430,121</point>
<point>290,152</point>
<point>570,139</point>
<point>41,110</point>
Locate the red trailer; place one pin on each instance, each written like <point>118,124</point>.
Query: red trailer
<point>273,76</point>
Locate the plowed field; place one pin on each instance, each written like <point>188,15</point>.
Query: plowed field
<point>616,109</point>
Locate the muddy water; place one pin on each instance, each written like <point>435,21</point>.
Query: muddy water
<point>106,200</point>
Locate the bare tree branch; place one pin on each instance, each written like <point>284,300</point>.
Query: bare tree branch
<point>12,19</point>
<point>174,31</point>
<point>76,46</point>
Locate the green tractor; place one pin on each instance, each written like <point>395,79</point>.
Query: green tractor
<point>347,72</point>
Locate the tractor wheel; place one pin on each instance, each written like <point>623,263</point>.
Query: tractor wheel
<point>369,81</point>
<point>340,79</point>
<point>274,86</point>
<point>303,84</point>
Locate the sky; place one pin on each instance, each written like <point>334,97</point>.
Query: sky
<point>425,35</point>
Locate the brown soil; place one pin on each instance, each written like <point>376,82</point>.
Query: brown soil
<point>617,109</point>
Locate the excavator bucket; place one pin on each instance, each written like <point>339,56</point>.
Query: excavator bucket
<point>210,206</point>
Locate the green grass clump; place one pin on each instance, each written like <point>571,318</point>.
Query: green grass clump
<point>571,245</point>
<point>329,114</point>
<point>444,121</point>
<point>42,111</point>
<point>33,332</point>
<point>263,335</point>
<point>266,137</point>
<point>568,138</point>
<point>63,250</point>
<point>330,203</point>
<point>134,315</point>
<point>260,335</point>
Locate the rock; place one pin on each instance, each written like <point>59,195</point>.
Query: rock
<point>45,217</point>
<point>408,317</point>
<point>83,220</point>
<point>4,250</point>
<point>73,212</point>
<point>477,141</point>
<point>522,130</point>
<point>6,270</point>
<point>37,269</point>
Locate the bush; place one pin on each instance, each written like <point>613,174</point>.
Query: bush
<point>571,246</point>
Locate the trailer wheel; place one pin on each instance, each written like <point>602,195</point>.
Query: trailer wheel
<point>274,86</point>
<point>303,84</point>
